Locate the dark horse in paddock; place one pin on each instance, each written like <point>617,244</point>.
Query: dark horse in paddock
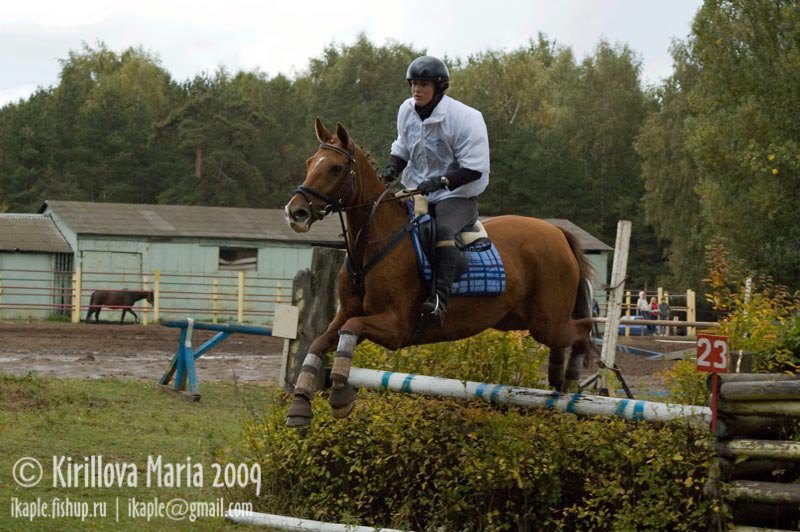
<point>547,292</point>
<point>116,299</point>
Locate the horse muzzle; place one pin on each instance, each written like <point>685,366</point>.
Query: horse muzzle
<point>299,217</point>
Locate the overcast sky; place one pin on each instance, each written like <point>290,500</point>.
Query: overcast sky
<point>280,37</point>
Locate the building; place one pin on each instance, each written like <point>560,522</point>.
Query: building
<point>211,262</point>
<point>35,267</point>
<point>198,253</point>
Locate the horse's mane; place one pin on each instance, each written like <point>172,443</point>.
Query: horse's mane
<point>367,154</point>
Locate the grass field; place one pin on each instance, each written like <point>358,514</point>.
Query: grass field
<point>124,422</point>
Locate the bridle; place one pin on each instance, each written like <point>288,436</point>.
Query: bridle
<point>357,272</point>
<point>331,204</point>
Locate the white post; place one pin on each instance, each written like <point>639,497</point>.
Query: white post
<point>156,294</point>
<point>144,302</point>
<point>240,299</point>
<point>76,296</point>
<point>627,311</point>
<point>691,313</point>
<point>214,300</point>
<point>618,273</point>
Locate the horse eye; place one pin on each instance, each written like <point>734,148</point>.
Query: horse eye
<point>335,169</point>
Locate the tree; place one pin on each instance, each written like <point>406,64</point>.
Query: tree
<point>745,138</point>
<point>671,177</point>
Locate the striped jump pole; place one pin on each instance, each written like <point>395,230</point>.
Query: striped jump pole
<point>282,522</point>
<point>579,404</point>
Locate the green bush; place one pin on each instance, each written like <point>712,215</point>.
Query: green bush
<point>429,464</point>
<point>421,463</point>
<point>508,358</point>
<point>784,354</point>
<point>686,384</point>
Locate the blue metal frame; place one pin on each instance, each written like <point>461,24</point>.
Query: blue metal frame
<point>182,365</point>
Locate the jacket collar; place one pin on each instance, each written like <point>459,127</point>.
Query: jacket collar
<point>438,113</point>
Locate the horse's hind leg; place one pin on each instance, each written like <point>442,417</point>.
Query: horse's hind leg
<point>555,368</point>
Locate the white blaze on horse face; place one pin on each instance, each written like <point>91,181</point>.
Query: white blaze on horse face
<point>316,164</point>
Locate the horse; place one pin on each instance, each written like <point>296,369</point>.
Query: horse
<point>116,299</point>
<point>380,290</point>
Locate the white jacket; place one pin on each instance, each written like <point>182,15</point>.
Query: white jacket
<point>453,137</point>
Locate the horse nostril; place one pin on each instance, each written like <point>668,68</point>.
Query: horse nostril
<point>300,215</point>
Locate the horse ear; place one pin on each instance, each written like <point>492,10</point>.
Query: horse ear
<point>341,132</point>
<point>323,135</point>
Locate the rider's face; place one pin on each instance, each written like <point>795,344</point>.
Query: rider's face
<point>421,91</point>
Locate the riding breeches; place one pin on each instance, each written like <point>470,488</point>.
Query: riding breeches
<point>453,215</point>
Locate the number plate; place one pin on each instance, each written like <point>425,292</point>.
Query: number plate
<point>712,353</point>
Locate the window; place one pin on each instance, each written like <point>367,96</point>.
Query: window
<point>241,259</point>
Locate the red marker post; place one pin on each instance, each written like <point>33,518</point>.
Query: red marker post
<point>712,357</point>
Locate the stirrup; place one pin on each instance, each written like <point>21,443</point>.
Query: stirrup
<point>435,309</point>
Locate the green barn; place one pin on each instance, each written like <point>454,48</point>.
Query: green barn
<point>199,256</point>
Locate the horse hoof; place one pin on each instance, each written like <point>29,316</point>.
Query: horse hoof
<point>299,413</point>
<point>343,412</point>
<point>297,422</point>
<point>342,400</point>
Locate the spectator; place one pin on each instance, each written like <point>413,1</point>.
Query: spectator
<point>642,306</point>
<point>653,314</point>
<point>663,314</point>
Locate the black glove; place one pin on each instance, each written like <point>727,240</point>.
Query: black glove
<point>432,184</point>
<point>389,174</point>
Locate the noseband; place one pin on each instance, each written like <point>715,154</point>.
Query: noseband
<point>331,204</point>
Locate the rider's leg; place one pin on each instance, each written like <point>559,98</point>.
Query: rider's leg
<point>451,216</point>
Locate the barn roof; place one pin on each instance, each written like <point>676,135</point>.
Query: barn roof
<point>585,239</point>
<point>146,220</point>
<point>31,232</point>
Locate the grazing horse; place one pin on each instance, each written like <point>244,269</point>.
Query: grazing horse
<point>116,299</point>
<point>380,289</point>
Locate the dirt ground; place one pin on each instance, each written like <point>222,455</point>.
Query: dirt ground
<point>131,351</point>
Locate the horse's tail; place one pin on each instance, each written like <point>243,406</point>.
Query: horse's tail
<point>583,299</point>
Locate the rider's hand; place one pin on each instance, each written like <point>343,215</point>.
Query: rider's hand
<point>432,184</point>
<point>389,174</point>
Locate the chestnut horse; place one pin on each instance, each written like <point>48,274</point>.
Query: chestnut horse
<point>380,289</point>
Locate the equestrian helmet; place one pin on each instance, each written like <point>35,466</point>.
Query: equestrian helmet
<point>429,68</point>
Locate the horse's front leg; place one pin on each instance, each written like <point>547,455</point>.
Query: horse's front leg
<point>299,414</point>
<point>384,329</point>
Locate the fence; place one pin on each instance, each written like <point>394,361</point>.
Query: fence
<point>686,306</point>
<point>230,296</point>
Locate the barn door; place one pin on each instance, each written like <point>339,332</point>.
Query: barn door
<point>111,270</point>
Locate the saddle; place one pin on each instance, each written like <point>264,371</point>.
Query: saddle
<point>479,270</point>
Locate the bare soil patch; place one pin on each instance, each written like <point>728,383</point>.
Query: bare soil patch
<point>132,351</point>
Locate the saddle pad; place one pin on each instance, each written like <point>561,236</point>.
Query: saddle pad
<point>485,274</point>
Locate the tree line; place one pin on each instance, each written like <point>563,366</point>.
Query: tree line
<point>710,155</point>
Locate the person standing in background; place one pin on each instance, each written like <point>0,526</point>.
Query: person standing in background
<point>653,314</point>
<point>663,314</point>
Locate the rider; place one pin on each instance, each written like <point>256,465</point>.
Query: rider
<point>443,146</point>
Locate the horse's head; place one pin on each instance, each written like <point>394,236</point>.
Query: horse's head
<point>150,297</point>
<point>330,180</point>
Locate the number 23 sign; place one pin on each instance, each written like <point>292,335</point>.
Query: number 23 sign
<point>712,353</point>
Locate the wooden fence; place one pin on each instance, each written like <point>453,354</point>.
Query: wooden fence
<point>756,470</point>
<point>231,296</point>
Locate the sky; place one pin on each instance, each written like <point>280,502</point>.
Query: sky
<point>279,37</point>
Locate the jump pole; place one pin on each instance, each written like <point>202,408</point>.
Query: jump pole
<point>579,404</point>
<point>282,522</point>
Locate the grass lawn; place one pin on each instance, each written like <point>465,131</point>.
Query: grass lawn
<point>123,422</point>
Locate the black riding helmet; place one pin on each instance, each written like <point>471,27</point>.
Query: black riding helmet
<point>429,68</point>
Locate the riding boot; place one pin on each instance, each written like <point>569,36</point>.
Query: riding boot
<point>436,305</point>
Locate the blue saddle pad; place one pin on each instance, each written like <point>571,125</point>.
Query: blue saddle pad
<point>485,274</point>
